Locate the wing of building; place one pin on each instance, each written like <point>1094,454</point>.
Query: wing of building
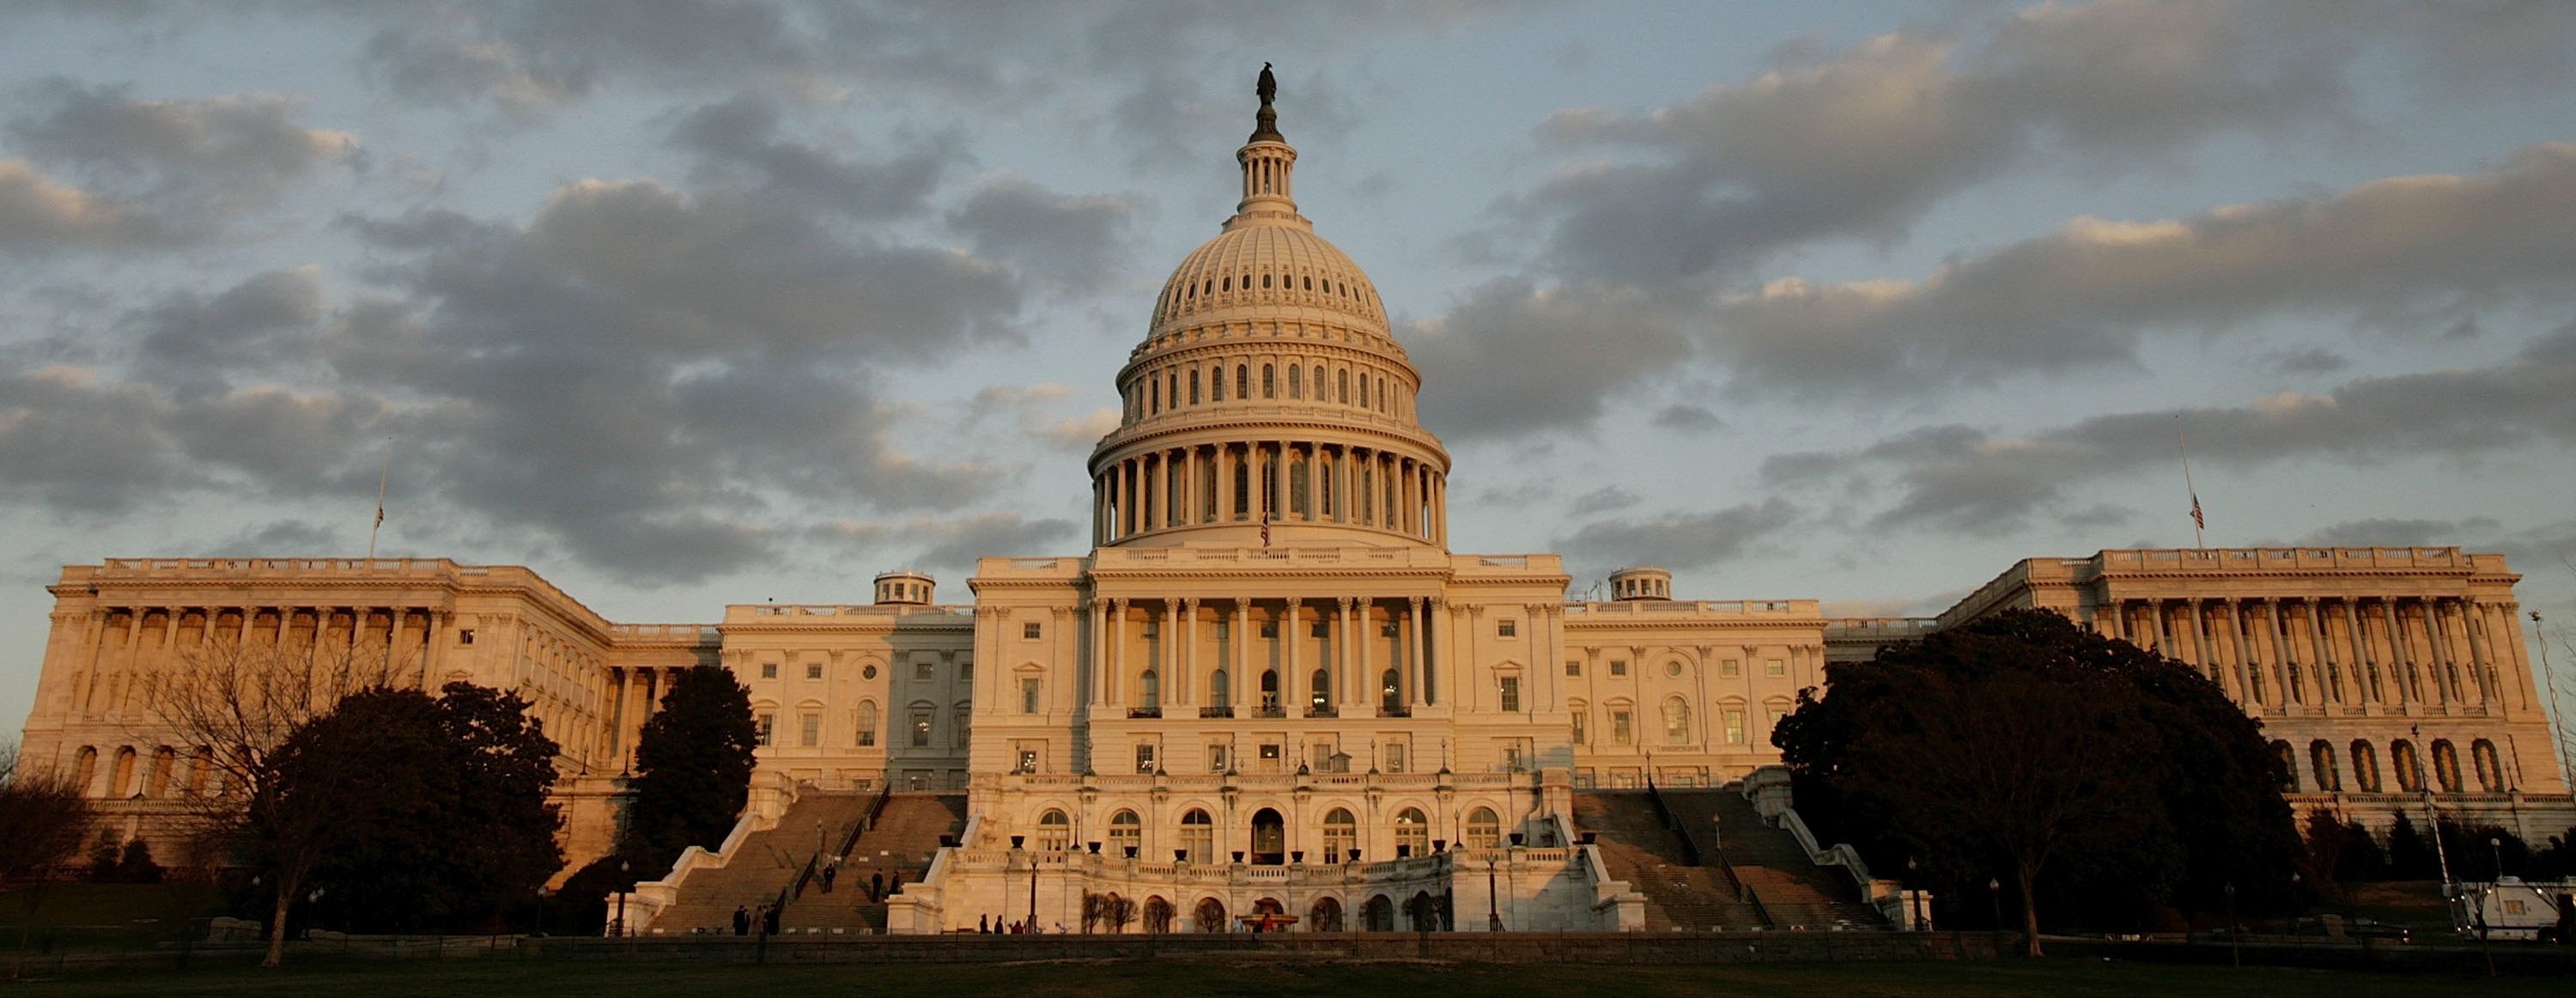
<point>1271,688</point>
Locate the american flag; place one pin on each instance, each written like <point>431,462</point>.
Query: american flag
<point>2198,521</point>
<point>1265,528</point>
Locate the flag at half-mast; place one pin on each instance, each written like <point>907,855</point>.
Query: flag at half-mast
<point>1265,528</point>
<point>2198,521</point>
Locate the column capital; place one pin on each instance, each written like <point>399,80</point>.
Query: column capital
<point>1189,604</point>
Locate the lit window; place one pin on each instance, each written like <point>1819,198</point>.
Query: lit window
<point>921,671</point>
<point>867,723</point>
<point>1511,694</point>
<point>1775,667</point>
<point>1620,728</point>
<point>813,733</point>
<point>1734,725</point>
<point>1145,757</point>
<point>1731,668</point>
<point>768,729</point>
<point>921,727</point>
<point>1676,721</point>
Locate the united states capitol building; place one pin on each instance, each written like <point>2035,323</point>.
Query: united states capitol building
<point>1271,688</point>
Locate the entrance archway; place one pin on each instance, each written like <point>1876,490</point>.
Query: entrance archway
<point>1269,838</point>
<point>1325,916</point>
<point>1209,916</point>
<point>1378,915</point>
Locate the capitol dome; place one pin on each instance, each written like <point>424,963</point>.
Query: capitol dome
<point>1269,404</point>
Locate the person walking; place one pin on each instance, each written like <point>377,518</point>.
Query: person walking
<point>876,886</point>
<point>829,874</point>
<point>741,921</point>
<point>769,920</point>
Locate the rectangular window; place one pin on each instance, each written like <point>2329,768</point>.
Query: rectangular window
<point>1032,630</point>
<point>1619,727</point>
<point>1320,630</point>
<point>465,635</point>
<point>1270,628</point>
<point>1513,754</point>
<point>1029,689</point>
<point>1216,756</point>
<point>768,670</point>
<point>1028,761</point>
<point>965,672</point>
<point>922,671</point>
<point>1574,668</point>
<point>1771,720</point>
<point>1511,694</point>
<point>1145,757</point>
<point>921,729</point>
<point>768,729</point>
<point>1507,628</point>
<point>1775,667</point>
<point>813,733</point>
<point>1394,757</point>
<point>1731,668</point>
<point>1618,668</point>
<point>1581,736</point>
<point>1734,725</point>
<point>813,670</point>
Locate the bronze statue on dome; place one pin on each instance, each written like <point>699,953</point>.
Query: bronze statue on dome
<point>1268,88</point>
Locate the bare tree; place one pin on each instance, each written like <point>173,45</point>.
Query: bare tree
<point>238,703</point>
<point>43,818</point>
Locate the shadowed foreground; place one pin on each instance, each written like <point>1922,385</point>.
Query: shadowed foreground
<point>382,979</point>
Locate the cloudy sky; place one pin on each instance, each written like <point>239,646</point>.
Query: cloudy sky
<point>688,303</point>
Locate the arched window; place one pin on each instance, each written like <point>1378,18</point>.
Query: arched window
<point>1270,691</point>
<point>957,732</point>
<point>1341,834</point>
<point>2321,760</point>
<point>2446,765</point>
<point>1412,833</point>
<point>1243,488</point>
<point>163,761</point>
<point>2482,753</point>
<point>1676,721</point>
<point>1242,381</point>
<point>1126,833</point>
<point>867,723</point>
<point>1582,715</point>
<point>1390,695</point>
<point>1269,383</point>
<point>1325,915</point>
<point>1220,689</point>
<point>1198,836</point>
<point>1158,915</point>
<point>1296,382</point>
<point>1209,916</point>
<point>1216,383</point>
<point>2289,760</point>
<point>1151,685</point>
<point>121,782</point>
<point>1319,384</point>
<point>1319,692</point>
<point>2410,770</point>
<point>2365,766</point>
<point>85,769</point>
<point>1342,386</point>
<point>1154,396</point>
<point>1194,386</point>
<point>1297,476</point>
<point>1484,830</point>
<point>1055,834</point>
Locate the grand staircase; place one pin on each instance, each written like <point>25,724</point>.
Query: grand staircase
<point>1794,891</point>
<point>765,865</point>
<point>1681,894</point>
<point>902,842</point>
<point>1733,873</point>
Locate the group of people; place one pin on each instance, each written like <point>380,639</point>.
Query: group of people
<point>992,925</point>
<point>744,918</point>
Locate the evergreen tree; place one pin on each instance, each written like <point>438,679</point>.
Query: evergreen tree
<point>2362,859</point>
<point>693,765</point>
<point>2410,854</point>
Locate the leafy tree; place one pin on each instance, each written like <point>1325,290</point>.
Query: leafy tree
<point>2555,861</point>
<point>693,763</point>
<point>2076,769</point>
<point>2362,859</point>
<point>454,830</point>
<point>2474,850</point>
<point>43,819</point>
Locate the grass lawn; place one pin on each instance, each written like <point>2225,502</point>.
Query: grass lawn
<point>506,976</point>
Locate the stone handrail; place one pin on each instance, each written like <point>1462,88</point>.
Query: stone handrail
<point>759,814</point>
<point>1885,895</point>
<point>1791,608</point>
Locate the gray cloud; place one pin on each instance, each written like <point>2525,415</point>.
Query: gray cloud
<point>1974,481</point>
<point>2399,532</point>
<point>2404,253</point>
<point>2312,360</point>
<point>1862,143</point>
<point>177,169</point>
<point>191,342</point>
<point>1681,540</point>
<point>1513,358</point>
<point>1070,239</point>
<point>738,140</point>
<point>952,544</point>
<point>1687,418</point>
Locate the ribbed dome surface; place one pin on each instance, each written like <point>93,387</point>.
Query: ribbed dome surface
<point>1270,267</point>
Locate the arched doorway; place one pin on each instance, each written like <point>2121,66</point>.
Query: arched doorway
<point>1325,916</point>
<point>1209,916</point>
<point>1377,915</point>
<point>1422,911</point>
<point>1158,915</point>
<point>1269,838</point>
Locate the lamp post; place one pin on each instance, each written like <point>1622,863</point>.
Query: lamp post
<point>623,866</point>
<point>1995,897</point>
<point>541,910</point>
<point>1915,890</point>
<point>1493,915</point>
<point>2235,956</point>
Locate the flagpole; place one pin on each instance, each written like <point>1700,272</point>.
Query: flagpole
<point>382,475</point>
<point>2198,522</point>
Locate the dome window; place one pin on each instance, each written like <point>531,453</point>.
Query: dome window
<point>1310,284</point>
<point>1265,282</point>
<point>1229,284</point>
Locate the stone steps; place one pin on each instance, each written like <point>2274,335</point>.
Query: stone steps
<point>904,842</point>
<point>765,864</point>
